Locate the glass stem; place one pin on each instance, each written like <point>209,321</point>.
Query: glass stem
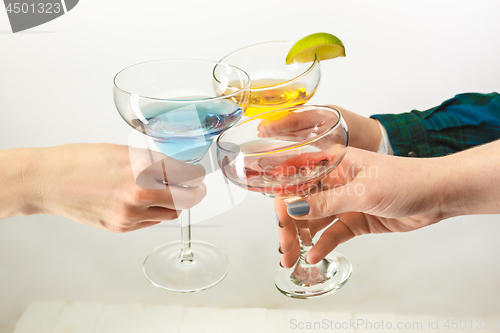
<point>186,255</point>
<point>305,241</point>
<point>303,232</point>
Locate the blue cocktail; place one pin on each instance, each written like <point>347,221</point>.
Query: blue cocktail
<point>185,130</point>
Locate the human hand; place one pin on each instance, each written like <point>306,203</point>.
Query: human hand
<point>364,132</point>
<point>367,193</point>
<point>112,187</point>
<point>298,126</point>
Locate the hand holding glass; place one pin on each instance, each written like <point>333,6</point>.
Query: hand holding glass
<point>285,153</point>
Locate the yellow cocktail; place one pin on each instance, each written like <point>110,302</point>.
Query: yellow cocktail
<point>267,95</point>
<point>274,84</point>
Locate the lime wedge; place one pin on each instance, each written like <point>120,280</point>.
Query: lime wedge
<point>322,44</point>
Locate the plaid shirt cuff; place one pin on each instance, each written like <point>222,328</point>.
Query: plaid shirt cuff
<point>406,133</point>
<point>459,123</point>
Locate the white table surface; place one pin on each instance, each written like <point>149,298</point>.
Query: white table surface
<point>60,316</point>
<point>55,88</point>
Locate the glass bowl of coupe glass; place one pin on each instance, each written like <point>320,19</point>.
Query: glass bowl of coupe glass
<point>273,83</point>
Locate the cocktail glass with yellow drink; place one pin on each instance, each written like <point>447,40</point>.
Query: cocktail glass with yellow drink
<point>273,83</point>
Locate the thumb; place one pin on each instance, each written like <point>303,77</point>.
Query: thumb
<point>333,201</point>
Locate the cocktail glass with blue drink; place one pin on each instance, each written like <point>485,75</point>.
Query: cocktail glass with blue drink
<point>183,105</point>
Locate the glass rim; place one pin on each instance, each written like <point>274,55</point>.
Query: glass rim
<point>298,77</point>
<point>286,148</point>
<point>216,63</point>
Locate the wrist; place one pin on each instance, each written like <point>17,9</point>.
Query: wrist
<point>472,180</point>
<point>456,188</point>
<point>364,132</point>
<point>20,191</point>
<point>440,191</point>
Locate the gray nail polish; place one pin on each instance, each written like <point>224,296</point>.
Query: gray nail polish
<point>298,208</point>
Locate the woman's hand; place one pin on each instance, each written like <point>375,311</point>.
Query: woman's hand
<point>108,186</point>
<point>366,193</point>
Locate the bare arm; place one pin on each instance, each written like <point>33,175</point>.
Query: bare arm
<point>19,173</point>
<point>474,181</point>
<point>113,187</point>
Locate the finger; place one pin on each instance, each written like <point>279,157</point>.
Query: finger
<point>287,236</point>
<point>134,221</point>
<point>280,208</point>
<point>145,224</point>
<point>292,123</point>
<point>336,234</point>
<point>286,231</point>
<point>158,214</point>
<point>122,227</point>
<point>171,172</point>
<point>319,224</point>
<point>171,197</point>
<point>334,201</point>
<point>152,169</point>
<point>181,198</point>
<point>289,259</point>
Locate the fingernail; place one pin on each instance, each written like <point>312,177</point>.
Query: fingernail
<point>281,265</point>
<point>298,208</point>
<point>278,221</point>
<point>279,250</point>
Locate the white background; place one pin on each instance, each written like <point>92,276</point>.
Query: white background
<point>56,88</point>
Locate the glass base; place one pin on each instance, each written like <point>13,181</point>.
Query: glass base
<point>164,269</point>
<point>308,281</point>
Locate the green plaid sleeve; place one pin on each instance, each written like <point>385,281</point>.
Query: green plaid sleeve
<point>461,122</point>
